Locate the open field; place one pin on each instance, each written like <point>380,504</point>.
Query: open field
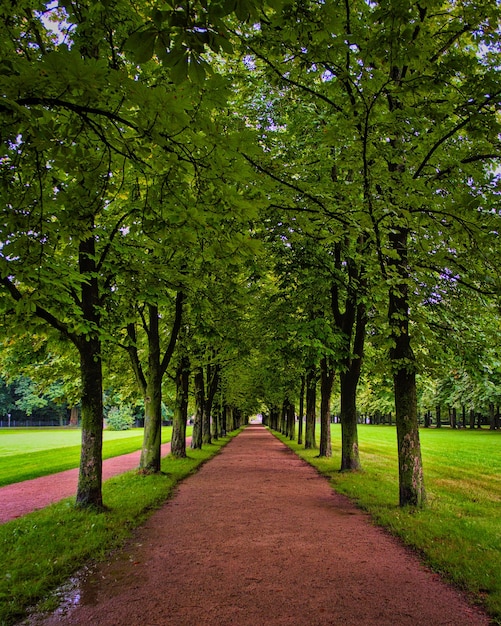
<point>43,549</point>
<point>459,531</point>
<point>27,453</point>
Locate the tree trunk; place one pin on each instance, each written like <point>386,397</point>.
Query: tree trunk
<point>89,490</point>
<point>230,418</point>
<point>274,413</point>
<point>438,416</point>
<point>212,385</point>
<point>90,478</point>
<point>411,482</point>
<point>178,442</point>
<point>224,419</point>
<point>352,324</point>
<point>350,457</point>
<point>73,416</point>
<point>311,401</point>
<point>326,382</point>
<point>492,416</point>
<point>301,412</point>
<point>291,421</point>
<point>150,461</point>
<point>216,422</point>
<point>196,439</point>
<point>454,417</point>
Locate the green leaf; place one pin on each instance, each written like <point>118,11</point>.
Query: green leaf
<point>141,45</point>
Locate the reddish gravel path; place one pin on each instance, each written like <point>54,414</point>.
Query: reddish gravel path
<point>256,538</point>
<point>22,498</point>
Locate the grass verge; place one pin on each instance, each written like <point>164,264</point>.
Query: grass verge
<point>42,550</point>
<point>458,533</point>
<point>52,451</point>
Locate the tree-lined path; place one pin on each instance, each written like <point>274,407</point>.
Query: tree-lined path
<point>23,498</point>
<point>258,537</point>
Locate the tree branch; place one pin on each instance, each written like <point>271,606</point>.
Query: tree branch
<point>174,333</point>
<point>40,312</point>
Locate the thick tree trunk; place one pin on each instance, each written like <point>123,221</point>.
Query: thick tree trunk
<point>438,416</point>
<point>301,412</point>
<point>196,438</point>
<point>89,490</point>
<point>411,482</point>
<point>178,442</point>
<point>326,382</point>
<point>350,457</point>
<point>150,461</point>
<point>311,401</point>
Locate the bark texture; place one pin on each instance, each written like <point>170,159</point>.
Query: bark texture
<point>411,482</point>
<point>89,490</point>
<point>199,384</point>
<point>178,442</point>
<point>326,381</point>
<point>311,401</point>
<point>150,453</point>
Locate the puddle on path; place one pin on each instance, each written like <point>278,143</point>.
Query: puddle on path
<point>81,589</point>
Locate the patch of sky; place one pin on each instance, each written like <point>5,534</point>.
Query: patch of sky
<point>55,20</point>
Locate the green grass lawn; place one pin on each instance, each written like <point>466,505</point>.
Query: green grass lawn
<point>458,533</point>
<point>42,550</point>
<point>31,452</point>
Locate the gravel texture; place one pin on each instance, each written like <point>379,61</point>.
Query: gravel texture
<point>257,537</point>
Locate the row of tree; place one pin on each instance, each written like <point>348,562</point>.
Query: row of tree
<point>253,196</point>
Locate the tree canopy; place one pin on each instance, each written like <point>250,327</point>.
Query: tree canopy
<point>257,194</point>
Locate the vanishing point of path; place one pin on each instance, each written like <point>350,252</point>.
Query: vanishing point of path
<point>257,537</point>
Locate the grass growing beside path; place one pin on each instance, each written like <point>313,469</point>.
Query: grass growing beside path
<point>30,453</point>
<point>459,531</point>
<point>43,549</point>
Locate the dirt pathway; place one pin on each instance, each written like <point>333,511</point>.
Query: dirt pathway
<point>255,538</point>
<point>22,498</point>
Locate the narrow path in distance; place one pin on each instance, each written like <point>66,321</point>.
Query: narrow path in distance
<point>256,537</point>
<point>21,498</point>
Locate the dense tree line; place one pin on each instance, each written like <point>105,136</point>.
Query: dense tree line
<point>235,204</point>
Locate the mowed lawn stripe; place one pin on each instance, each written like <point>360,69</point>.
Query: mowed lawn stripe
<point>20,459</point>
